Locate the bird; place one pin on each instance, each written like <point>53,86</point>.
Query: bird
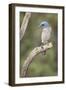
<point>46,32</point>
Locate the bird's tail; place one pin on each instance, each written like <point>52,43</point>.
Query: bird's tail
<point>44,53</point>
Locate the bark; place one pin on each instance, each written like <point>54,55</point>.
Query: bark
<point>31,55</point>
<point>24,24</point>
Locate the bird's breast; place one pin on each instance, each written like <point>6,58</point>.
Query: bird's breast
<point>45,35</point>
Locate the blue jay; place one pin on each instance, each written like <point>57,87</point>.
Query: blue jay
<point>46,32</point>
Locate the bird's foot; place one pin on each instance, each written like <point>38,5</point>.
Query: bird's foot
<point>42,47</point>
<point>44,52</point>
<point>48,44</point>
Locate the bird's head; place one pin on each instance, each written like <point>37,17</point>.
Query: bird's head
<point>44,24</point>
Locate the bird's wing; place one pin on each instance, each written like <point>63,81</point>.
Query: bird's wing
<point>46,34</point>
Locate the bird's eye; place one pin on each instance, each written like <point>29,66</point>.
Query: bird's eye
<point>42,24</point>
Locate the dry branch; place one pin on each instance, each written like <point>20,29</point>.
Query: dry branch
<point>32,54</point>
<point>24,24</point>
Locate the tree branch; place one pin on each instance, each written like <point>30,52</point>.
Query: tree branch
<point>24,24</point>
<point>32,54</point>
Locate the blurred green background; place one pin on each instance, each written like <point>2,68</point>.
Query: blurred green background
<point>42,65</point>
